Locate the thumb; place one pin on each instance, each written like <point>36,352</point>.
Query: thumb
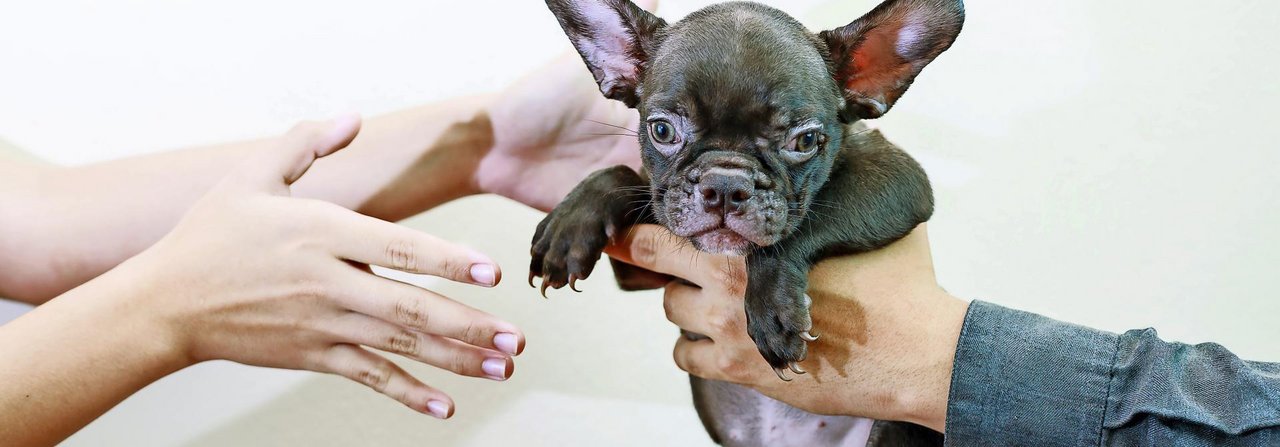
<point>647,5</point>
<point>278,167</point>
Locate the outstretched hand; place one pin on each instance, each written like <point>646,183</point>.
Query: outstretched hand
<point>255,276</point>
<point>552,129</point>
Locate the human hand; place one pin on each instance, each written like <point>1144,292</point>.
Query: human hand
<point>552,129</point>
<point>255,276</point>
<point>887,332</point>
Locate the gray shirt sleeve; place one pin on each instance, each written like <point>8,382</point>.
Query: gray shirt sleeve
<point>1024,379</point>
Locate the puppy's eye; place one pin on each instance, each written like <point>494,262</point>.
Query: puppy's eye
<point>808,142</point>
<point>662,132</point>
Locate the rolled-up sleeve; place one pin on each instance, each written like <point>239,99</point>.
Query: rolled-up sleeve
<point>1021,379</point>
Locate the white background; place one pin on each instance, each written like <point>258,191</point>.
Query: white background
<point>1108,163</point>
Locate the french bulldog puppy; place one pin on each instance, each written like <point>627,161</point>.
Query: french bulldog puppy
<point>751,144</point>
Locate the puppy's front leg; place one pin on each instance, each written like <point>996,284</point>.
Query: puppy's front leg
<point>571,238</point>
<point>778,308</point>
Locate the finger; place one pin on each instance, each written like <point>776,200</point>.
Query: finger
<point>699,358</point>
<point>373,241</point>
<point>688,308</point>
<point>433,350</point>
<point>425,311</point>
<point>381,375</point>
<point>654,248</point>
<point>279,166</point>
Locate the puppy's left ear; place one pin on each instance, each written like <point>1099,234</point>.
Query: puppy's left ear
<point>615,39</point>
<point>875,58</point>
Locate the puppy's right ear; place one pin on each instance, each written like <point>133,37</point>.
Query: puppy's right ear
<point>615,39</point>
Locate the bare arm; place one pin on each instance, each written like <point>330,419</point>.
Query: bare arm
<point>254,276</point>
<point>61,226</point>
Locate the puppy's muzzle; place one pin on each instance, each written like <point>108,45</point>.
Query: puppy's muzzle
<point>724,191</point>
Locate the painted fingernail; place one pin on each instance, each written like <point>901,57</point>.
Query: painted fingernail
<point>484,274</point>
<point>507,343</point>
<point>438,409</point>
<point>496,369</point>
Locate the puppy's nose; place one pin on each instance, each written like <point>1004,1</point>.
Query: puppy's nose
<point>725,193</point>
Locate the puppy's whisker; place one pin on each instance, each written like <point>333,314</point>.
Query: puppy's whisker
<point>615,126</point>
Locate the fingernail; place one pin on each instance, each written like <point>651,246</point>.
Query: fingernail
<point>496,369</point>
<point>483,274</point>
<point>507,343</point>
<point>438,409</point>
<point>342,125</point>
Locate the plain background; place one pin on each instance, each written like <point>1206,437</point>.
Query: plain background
<point>1107,163</point>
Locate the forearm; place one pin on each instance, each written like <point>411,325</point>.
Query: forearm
<point>65,363</point>
<point>1021,378</point>
<point>67,225</point>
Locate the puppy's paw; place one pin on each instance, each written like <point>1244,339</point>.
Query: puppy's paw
<point>567,245</point>
<point>778,318</point>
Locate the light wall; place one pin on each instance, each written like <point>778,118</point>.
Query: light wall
<point>1107,163</point>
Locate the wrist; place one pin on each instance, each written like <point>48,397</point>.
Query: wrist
<point>152,319</point>
<point>906,333</point>
<point>467,141</point>
<point>923,397</point>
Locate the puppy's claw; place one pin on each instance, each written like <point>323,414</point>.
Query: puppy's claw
<point>795,368</point>
<point>808,336</point>
<point>782,374</point>
<point>531,276</point>
<point>573,283</point>
<point>545,283</point>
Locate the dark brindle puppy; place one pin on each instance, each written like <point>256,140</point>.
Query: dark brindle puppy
<point>752,145</point>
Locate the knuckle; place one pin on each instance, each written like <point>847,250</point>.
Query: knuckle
<point>459,363</point>
<point>669,309</point>
<point>682,360</point>
<point>731,367</point>
<point>401,255</point>
<point>375,376</point>
<point>403,343</point>
<point>725,324</point>
<point>312,290</point>
<point>733,279</point>
<point>455,268</point>
<point>644,249</point>
<point>412,313</point>
<point>474,333</point>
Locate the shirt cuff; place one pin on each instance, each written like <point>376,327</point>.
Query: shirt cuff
<point>1024,379</point>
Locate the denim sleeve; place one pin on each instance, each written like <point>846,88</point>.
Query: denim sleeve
<point>1021,379</point>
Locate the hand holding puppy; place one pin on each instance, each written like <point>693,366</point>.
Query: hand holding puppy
<point>887,331</point>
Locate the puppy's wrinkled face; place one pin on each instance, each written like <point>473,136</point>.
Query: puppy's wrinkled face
<point>743,111</point>
<point>739,126</point>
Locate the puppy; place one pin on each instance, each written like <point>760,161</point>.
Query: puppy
<point>752,145</point>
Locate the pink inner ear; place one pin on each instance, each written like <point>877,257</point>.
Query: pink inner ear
<point>909,38</point>
<point>878,63</point>
<point>610,50</point>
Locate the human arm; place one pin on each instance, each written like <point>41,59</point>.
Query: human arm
<point>895,346</point>
<point>61,226</point>
<point>64,225</point>
<point>253,275</point>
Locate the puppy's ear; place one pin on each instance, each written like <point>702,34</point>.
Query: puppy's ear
<point>614,37</point>
<point>875,58</point>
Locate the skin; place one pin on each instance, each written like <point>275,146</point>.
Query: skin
<point>269,267</point>
<point>869,309</point>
